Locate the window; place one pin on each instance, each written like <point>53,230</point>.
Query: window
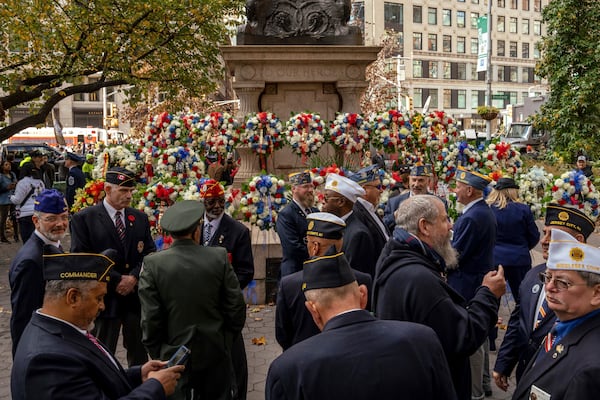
<point>500,23</point>
<point>460,44</point>
<point>474,18</point>
<point>525,50</point>
<point>448,97</point>
<point>514,4</point>
<point>433,69</point>
<point>512,25</point>
<point>527,75</point>
<point>417,41</point>
<point>447,43</point>
<point>78,97</point>
<point>417,97</point>
<point>432,16</point>
<point>512,49</point>
<point>392,15</point>
<point>474,45</point>
<point>474,73</point>
<point>501,4</point>
<point>357,15</point>
<point>461,71</point>
<point>513,74</point>
<point>447,66</point>
<point>500,73</point>
<point>525,26</point>
<point>537,27</point>
<point>417,69</point>
<point>432,42</point>
<point>460,19</point>
<point>525,4</point>
<point>500,48</point>
<point>475,1</point>
<point>461,100</point>
<point>433,95</point>
<point>475,98</point>
<point>417,14</point>
<point>536,53</point>
<point>537,5</point>
<point>446,17</point>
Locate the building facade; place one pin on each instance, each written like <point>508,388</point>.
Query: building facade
<point>437,47</point>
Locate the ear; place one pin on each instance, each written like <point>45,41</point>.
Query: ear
<point>315,313</point>
<point>72,296</point>
<point>595,300</point>
<point>423,227</point>
<point>364,296</point>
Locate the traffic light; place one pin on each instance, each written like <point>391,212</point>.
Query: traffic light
<point>114,111</point>
<point>410,103</point>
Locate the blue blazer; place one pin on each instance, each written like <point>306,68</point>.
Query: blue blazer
<point>359,246</point>
<point>390,208</point>
<point>517,233</point>
<point>474,238</point>
<point>521,341</point>
<point>291,227</point>
<point>75,180</point>
<point>55,361</point>
<point>360,357</point>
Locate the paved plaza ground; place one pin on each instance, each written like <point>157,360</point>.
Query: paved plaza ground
<point>260,323</point>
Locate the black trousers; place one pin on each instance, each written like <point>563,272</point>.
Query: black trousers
<point>107,331</point>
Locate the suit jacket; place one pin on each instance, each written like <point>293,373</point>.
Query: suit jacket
<point>55,361</point>
<point>359,246</point>
<point>379,239</point>
<point>291,227</point>
<point>390,208</point>
<point>293,322</point>
<point>235,237</point>
<point>92,230</point>
<point>521,341</point>
<point>517,233</point>
<point>191,296</point>
<point>360,357</point>
<point>27,285</point>
<point>75,180</point>
<point>570,370</point>
<point>474,239</point>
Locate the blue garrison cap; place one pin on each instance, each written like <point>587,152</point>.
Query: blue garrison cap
<point>50,201</point>
<point>74,157</point>
<point>367,174</point>
<point>421,170</point>
<point>472,178</point>
<point>300,178</point>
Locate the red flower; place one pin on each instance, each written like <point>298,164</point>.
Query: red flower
<point>131,218</point>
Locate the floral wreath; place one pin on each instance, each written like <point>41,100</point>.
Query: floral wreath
<point>437,129</point>
<point>262,131</point>
<point>117,156</point>
<point>218,132</point>
<point>576,189</point>
<point>262,199</point>
<point>181,162</point>
<point>90,194</point>
<point>350,132</point>
<point>455,155</point>
<point>392,131</point>
<point>166,129</point>
<point>305,133</point>
<point>534,189</point>
<point>502,157</point>
<point>320,173</point>
<point>156,197</point>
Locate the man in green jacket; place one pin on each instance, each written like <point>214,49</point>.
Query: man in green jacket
<point>190,296</point>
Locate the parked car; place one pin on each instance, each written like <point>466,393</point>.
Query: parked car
<point>22,150</point>
<point>523,134</point>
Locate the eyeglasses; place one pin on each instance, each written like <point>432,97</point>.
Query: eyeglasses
<point>212,202</point>
<point>56,218</point>
<point>559,284</point>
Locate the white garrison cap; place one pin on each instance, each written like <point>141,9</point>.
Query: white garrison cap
<point>344,186</point>
<point>566,253</point>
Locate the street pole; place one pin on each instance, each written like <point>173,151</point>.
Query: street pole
<point>398,96</point>
<point>104,112</point>
<point>488,73</point>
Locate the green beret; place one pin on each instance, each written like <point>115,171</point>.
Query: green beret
<point>182,215</point>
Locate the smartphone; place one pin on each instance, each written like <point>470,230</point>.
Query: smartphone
<point>180,357</point>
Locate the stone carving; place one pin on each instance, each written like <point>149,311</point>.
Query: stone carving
<point>299,22</point>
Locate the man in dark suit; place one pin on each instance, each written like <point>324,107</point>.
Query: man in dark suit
<point>112,224</point>
<point>293,322</point>
<point>475,239</point>
<point>291,223</point>
<point>57,357</point>
<point>75,179</point>
<point>219,229</point>
<point>51,220</point>
<point>419,181</point>
<point>359,246</point>
<point>190,296</point>
<point>532,319</point>
<point>567,366</point>
<point>356,356</point>
<point>366,207</point>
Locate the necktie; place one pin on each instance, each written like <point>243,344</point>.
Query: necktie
<point>120,226</point>
<point>549,341</point>
<point>541,314</point>
<point>93,339</point>
<point>207,233</point>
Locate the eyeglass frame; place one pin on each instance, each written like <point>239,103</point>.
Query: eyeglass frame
<point>560,284</point>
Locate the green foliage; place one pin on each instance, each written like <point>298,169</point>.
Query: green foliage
<point>481,110</point>
<point>46,45</point>
<point>571,64</point>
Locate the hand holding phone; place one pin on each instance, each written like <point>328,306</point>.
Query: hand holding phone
<point>180,357</point>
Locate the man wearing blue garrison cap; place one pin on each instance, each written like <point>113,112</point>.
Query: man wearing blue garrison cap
<point>51,220</point>
<point>76,178</point>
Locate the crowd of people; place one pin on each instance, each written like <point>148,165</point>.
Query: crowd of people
<point>367,307</point>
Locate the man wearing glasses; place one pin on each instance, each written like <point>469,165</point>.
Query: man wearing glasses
<point>291,223</point>
<point>219,229</point>
<point>566,366</point>
<point>532,318</point>
<point>51,220</point>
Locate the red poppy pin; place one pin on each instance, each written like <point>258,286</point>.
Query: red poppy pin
<point>131,219</point>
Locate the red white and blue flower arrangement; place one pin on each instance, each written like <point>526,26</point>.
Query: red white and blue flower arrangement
<point>392,131</point>
<point>575,189</point>
<point>305,133</point>
<point>262,199</point>
<point>262,132</point>
<point>350,132</point>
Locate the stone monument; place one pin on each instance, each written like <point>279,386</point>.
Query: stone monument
<point>291,57</point>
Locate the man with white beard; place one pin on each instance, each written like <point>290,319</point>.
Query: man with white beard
<point>51,220</point>
<point>410,285</point>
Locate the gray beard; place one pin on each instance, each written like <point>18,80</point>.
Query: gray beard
<point>448,253</point>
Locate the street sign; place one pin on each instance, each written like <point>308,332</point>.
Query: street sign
<point>505,96</point>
